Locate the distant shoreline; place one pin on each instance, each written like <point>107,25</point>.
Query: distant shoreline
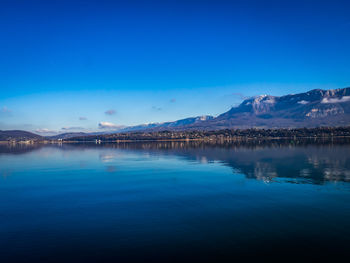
<point>229,135</point>
<point>238,139</point>
<point>203,139</point>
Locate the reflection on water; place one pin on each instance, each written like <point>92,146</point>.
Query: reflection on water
<point>303,161</point>
<point>175,201</point>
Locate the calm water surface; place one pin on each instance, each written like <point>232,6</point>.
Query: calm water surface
<point>174,202</point>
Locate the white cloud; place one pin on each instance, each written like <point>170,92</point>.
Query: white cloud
<point>107,125</point>
<point>45,130</point>
<point>303,102</point>
<point>336,100</point>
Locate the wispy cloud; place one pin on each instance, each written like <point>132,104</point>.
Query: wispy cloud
<point>72,128</point>
<point>336,100</point>
<point>107,125</point>
<point>46,131</point>
<point>110,112</point>
<point>156,108</point>
<point>82,118</point>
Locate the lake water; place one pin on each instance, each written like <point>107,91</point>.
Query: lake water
<point>174,202</point>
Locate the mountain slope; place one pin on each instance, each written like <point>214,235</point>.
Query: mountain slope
<point>310,109</point>
<point>66,135</point>
<point>168,125</point>
<point>18,135</point>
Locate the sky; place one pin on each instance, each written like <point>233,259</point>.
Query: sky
<point>96,65</point>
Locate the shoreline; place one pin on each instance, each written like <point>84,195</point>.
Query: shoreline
<point>173,140</point>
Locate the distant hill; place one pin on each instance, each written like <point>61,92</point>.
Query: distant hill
<point>66,135</point>
<point>18,135</point>
<point>168,125</point>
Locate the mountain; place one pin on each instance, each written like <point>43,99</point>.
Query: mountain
<point>168,125</point>
<point>314,108</point>
<point>66,135</point>
<point>310,109</point>
<point>18,135</point>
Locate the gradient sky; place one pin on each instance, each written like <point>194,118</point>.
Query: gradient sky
<point>70,65</point>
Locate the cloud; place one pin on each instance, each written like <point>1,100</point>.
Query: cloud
<point>173,100</point>
<point>156,108</point>
<point>303,102</point>
<point>82,118</point>
<point>107,125</point>
<point>336,100</point>
<point>72,128</point>
<point>45,130</point>
<point>110,112</point>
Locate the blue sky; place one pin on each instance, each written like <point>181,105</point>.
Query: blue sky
<point>70,65</point>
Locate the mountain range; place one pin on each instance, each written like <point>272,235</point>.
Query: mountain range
<point>314,108</point>
<point>168,125</point>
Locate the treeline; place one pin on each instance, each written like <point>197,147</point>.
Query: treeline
<point>220,135</point>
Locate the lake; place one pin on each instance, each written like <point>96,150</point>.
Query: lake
<point>175,201</point>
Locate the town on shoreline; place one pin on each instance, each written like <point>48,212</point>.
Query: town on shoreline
<point>195,135</point>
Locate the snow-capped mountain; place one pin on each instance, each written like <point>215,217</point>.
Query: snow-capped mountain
<point>310,109</point>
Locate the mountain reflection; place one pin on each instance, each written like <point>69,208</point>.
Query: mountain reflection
<point>298,161</point>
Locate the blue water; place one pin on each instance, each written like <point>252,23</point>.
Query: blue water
<point>173,202</point>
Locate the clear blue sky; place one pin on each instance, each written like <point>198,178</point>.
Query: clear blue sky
<point>69,65</point>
